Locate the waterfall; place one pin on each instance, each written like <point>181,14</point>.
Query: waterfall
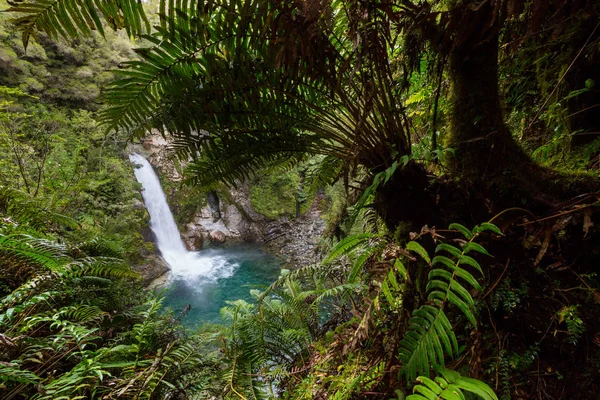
<point>183,263</point>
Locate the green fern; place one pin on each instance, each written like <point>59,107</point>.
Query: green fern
<point>428,339</point>
<point>349,244</point>
<point>68,18</point>
<point>23,209</point>
<point>430,336</point>
<point>14,373</point>
<point>450,385</point>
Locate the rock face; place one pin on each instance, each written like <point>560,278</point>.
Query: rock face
<point>215,205</point>
<point>229,216</point>
<point>154,268</point>
<point>217,237</point>
<point>193,238</point>
<point>193,243</point>
<point>157,150</point>
<point>296,241</point>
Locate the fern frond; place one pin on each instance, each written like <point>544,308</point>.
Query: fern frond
<point>429,337</point>
<point>450,385</point>
<point>23,209</point>
<point>12,373</point>
<point>347,245</point>
<point>68,18</point>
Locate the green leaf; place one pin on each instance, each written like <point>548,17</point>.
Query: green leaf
<point>448,248</point>
<point>399,266</point>
<point>472,246</point>
<point>462,229</point>
<point>450,388</point>
<point>417,248</point>
<point>487,226</point>
<point>469,261</point>
<point>443,260</point>
<point>476,387</point>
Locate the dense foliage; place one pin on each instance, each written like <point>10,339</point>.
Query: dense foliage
<point>412,117</point>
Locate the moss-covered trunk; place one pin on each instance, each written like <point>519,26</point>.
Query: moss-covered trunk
<point>485,149</point>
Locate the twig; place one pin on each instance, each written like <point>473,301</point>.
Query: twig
<point>562,77</point>
<point>499,279</point>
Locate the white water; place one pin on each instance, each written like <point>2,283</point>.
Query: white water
<point>186,265</point>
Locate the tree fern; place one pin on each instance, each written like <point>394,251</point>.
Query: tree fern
<point>244,84</point>
<point>68,18</point>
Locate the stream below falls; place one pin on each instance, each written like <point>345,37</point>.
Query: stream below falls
<point>206,279</point>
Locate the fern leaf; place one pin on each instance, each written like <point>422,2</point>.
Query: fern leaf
<point>448,248</point>
<point>450,387</point>
<point>68,18</point>
<point>417,248</point>
<point>429,337</point>
<point>347,245</point>
<point>462,229</point>
<point>487,226</point>
<point>11,373</point>
<point>26,210</point>
<point>472,246</point>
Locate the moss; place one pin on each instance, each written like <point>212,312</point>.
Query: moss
<point>274,195</point>
<point>184,200</point>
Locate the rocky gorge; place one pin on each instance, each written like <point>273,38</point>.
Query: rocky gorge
<point>226,216</point>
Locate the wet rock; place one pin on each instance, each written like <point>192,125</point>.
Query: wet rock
<point>214,204</point>
<point>148,235</point>
<point>138,205</point>
<point>159,283</point>
<point>153,268</point>
<point>217,237</point>
<point>194,243</point>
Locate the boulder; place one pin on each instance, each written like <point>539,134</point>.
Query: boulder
<point>138,205</point>
<point>217,237</point>
<point>194,242</point>
<point>154,267</point>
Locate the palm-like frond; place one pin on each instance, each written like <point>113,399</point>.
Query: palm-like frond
<point>227,80</point>
<point>23,209</point>
<point>251,82</point>
<point>67,18</point>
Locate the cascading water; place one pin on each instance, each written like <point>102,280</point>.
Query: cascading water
<point>183,263</point>
<point>205,280</point>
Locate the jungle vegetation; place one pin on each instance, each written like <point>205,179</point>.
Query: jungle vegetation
<point>462,136</point>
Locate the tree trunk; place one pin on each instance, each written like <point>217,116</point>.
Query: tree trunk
<point>485,149</point>
<point>486,154</point>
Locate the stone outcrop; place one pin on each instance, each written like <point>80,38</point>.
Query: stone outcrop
<point>296,241</point>
<point>154,268</point>
<point>157,150</point>
<point>193,240</point>
<point>217,237</point>
<point>229,216</point>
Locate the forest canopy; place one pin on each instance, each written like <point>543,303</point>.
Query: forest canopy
<point>459,130</point>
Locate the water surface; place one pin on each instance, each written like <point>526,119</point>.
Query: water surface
<point>207,279</point>
<point>235,271</point>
